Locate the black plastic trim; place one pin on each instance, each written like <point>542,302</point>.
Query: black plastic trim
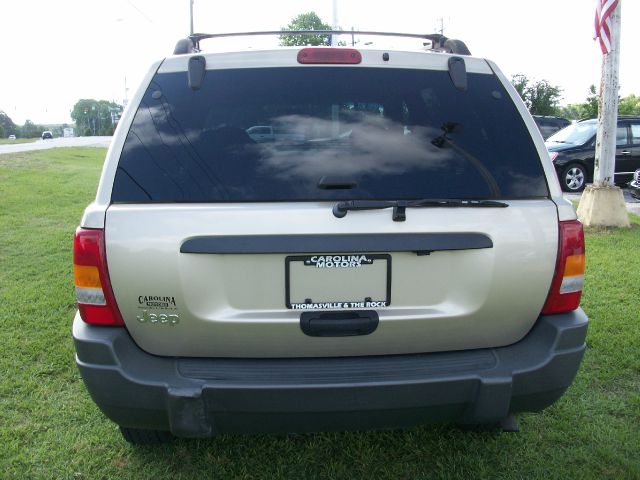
<point>353,243</point>
<point>339,324</point>
<point>458,73</point>
<point>200,397</point>
<point>196,72</point>
<point>332,370</point>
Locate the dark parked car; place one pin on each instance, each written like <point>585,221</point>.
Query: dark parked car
<point>47,135</point>
<point>550,125</point>
<point>634,185</point>
<point>572,152</point>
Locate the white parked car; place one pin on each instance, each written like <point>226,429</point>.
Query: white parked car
<point>266,133</point>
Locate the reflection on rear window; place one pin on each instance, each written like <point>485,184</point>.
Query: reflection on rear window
<point>272,134</point>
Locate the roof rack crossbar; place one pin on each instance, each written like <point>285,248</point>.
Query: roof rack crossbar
<point>438,41</point>
<point>427,36</point>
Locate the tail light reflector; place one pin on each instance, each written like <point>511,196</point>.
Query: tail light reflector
<point>96,302</point>
<point>318,55</point>
<point>568,280</point>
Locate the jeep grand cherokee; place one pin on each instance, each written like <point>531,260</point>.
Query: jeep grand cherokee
<point>410,259</point>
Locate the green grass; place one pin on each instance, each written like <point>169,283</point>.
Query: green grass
<point>6,141</point>
<point>49,427</point>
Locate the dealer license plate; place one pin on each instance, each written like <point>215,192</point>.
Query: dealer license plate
<point>338,282</point>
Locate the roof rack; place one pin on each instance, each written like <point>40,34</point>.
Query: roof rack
<point>439,42</point>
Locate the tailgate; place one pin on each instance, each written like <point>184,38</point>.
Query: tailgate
<point>223,281</point>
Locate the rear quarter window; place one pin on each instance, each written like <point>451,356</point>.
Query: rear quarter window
<point>271,134</point>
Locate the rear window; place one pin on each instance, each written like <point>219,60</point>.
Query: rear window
<point>326,133</point>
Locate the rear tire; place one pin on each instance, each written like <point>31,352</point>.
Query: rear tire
<point>139,436</point>
<point>573,178</point>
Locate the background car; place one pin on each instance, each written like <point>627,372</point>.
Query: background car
<point>12,137</point>
<point>634,185</point>
<point>267,133</point>
<point>549,125</point>
<point>572,152</point>
<point>47,135</point>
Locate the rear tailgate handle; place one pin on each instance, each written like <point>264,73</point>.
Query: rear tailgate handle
<point>339,324</point>
<point>337,243</point>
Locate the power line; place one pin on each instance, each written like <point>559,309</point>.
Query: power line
<point>140,11</point>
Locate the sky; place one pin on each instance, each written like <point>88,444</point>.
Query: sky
<point>54,53</point>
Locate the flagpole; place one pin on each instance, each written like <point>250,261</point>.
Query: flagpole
<point>608,108</point>
<point>602,204</point>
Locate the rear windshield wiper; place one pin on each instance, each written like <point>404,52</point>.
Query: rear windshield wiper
<point>340,209</point>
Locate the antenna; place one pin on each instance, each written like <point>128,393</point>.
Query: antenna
<point>334,40</point>
<point>126,93</point>
<point>190,17</point>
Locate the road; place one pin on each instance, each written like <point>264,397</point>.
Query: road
<point>56,143</point>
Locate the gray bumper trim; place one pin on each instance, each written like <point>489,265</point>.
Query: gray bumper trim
<point>201,397</point>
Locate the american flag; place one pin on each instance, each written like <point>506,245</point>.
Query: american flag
<point>604,9</point>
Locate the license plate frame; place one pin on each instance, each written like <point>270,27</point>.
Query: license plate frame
<point>345,303</point>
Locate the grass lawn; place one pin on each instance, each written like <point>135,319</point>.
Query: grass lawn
<point>50,428</point>
<point>6,141</point>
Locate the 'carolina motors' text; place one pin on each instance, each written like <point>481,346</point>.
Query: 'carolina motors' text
<point>338,261</point>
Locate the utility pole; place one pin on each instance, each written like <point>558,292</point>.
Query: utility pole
<point>602,203</point>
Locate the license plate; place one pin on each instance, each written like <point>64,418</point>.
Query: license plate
<point>338,282</point>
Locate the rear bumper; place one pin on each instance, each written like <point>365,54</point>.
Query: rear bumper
<point>202,397</point>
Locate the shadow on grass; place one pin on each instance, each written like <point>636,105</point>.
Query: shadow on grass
<point>442,450</point>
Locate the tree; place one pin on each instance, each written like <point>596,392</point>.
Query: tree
<point>540,97</point>
<point>30,130</point>
<point>545,98</point>
<point>587,109</point>
<point>520,83</point>
<point>305,21</point>
<point>590,107</point>
<point>629,105</point>
<point>7,124</point>
<point>572,111</point>
<point>93,117</point>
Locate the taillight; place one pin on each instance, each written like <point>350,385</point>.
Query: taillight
<point>96,302</point>
<point>568,280</point>
<point>329,55</point>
